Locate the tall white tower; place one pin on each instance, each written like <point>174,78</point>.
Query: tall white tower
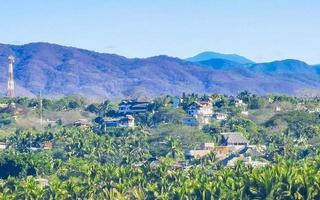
<point>11,60</point>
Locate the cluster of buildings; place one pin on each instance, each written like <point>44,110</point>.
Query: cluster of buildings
<point>201,113</point>
<point>235,148</point>
<point>126,112</point>
<point>47,145</point>
<point>124,117</point>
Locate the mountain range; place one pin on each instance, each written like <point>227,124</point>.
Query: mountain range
<point>58,70</point>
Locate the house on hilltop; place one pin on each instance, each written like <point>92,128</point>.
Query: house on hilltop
<point>202,108</point>
<point>199,113</point>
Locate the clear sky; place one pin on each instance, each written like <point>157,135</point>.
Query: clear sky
<point>262,30</point>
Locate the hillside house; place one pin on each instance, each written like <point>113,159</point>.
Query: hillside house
<point>221,152</point>
<point>3,145</point>
<point>199,113</point>
<point>199,121</point>
<point>132,107</point>
<point>176,101</point>
<point>245,113</point>
<point>2,105</point>
<point>83,123</point>
<point>43,182</point>
<point>246,161</point>
<point>249,155</point>
<point>220,116</point>
<point>127,121</point>
<point>202,108</point>
<point>234,139</point>
<point>236,149</point>
<point>277,106</point>
<point>315,110</point>
<point>240,103</point>
<point>47,145</point>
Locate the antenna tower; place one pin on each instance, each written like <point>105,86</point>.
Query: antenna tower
<point>11,60</point>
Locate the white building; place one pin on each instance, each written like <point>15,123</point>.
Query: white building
<point>199,113</point>
<point>278,109</point>
<point>3,145</point>
<point>240,103</point>
<point>245,112</point>
<point>2,105</point>
<point>220,116</point>
<point>203,108</point>
<point>316,110</point>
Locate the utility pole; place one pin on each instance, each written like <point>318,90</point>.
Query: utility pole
<point>41,109</point>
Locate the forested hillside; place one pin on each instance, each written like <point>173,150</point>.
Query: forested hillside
<point>74,154</point>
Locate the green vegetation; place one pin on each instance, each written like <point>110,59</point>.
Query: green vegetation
<point>148,162</point>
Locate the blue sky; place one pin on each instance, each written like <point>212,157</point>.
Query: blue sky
<point>260,30</point>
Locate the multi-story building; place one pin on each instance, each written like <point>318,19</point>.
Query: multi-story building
<point>132,107</point>
<point>199,113</point>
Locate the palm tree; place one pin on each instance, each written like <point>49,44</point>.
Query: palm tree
<point>174,148</point>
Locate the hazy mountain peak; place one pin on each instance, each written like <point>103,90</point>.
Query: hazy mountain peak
<point>208,55</point>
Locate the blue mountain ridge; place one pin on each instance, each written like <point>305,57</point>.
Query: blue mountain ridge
<point>58,70</point>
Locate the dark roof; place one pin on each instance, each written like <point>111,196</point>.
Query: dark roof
<point>196,104</point>
<point>133,102</point>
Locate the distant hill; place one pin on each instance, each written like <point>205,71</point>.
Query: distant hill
<point>220,64</point>
<point>58,70</point>
<point>213,55</point>
<point>284,66</point>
